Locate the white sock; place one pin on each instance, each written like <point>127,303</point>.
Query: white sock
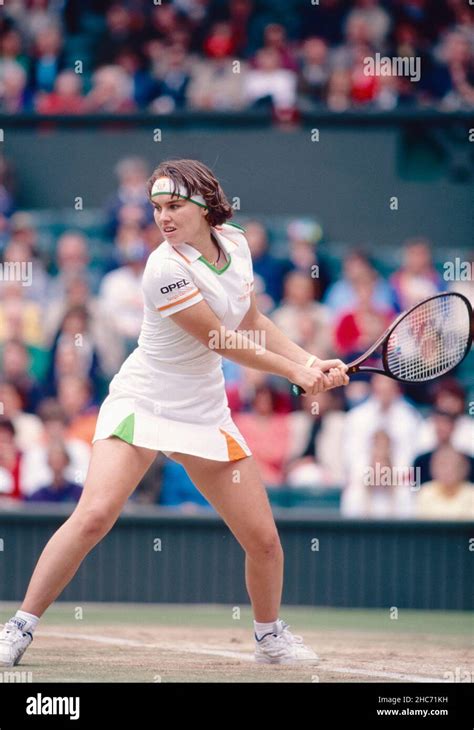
<point>264,628</point>
<point>25,621</point>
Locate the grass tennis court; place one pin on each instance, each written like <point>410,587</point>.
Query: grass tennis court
<point>205,643</point>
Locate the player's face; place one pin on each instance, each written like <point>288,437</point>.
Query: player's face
<point>178,219</point>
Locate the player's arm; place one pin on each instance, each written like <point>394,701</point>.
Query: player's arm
<point>202,323</point>
<point>276,341</point>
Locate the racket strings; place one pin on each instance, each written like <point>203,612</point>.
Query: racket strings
<point>430,340</point>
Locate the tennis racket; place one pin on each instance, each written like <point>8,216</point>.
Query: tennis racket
<point>427,341</point>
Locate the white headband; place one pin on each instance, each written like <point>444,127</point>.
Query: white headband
<point>165,186</point>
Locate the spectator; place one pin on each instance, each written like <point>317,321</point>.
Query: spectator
<point>47,61</point>
<point>449,496</point>
<point>12,49</point>
<point>20,317</point>
<point>376,19</point>
<point>378,492</point>
<point>31,271</point>
<point>341,295</point>
<point>76,292</point>
<point>121,296</point>
<point>118,35</point>
<point>132,173</point>
<point>444,424</point>
<point>59,489</point>
<point>357,34</point>
<point>75,398</point>
<point>74,350</point>
<point>133,63</point>
<point>270,269</point>
<point>364,87</point>
<point>417,278</point>
<point>220,42</point>
<point>304,236</point>
<point>268,435</point>
<point>10,462</point>
<point>358,327</point>
<point>27,426</point>
<point>15,97</point>
<point>385,409</point>
<point>165,24</point>
<point>299,303</point>
<point>7,200</point>
<point>173,81</point>
<point>15,366</point>
<point>111,93</point>
<point>214,84</point>
<point>33,16</point>
<point>449,397</point>
<point>458,71</point>
<point>268,83</point>
<point>275,38</point>
<point>315,70</point>
<point>66,97</point>
<point>339,90</point>
<point>36,470</point>
<point>72,262</point>
<point>317,432</point>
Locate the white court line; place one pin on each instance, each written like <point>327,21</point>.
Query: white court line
<point>194,648</point>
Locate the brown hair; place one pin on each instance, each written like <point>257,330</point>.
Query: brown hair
<point>198,179</point>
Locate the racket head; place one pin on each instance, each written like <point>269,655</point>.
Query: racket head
<point>429,340</point>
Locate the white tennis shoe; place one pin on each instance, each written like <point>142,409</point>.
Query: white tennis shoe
<point>13,644</point>
<point>283,647</point>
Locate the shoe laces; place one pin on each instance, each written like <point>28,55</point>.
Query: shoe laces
<point>287,636</point>
<point>10,628</point>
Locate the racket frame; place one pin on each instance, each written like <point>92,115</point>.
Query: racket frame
<point>356,367</point>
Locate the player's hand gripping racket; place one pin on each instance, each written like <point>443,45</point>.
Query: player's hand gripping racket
<point>427,341</point>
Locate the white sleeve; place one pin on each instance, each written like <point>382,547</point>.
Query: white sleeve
<point>169,288</point>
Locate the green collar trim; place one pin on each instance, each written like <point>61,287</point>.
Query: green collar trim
<point>213,268</point>
<point>236,225</point>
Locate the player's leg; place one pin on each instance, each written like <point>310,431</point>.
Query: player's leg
<point>115,469</point>
<point>236,491</point>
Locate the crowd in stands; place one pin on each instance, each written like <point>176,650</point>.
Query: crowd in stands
<point>65,334</point>
<point>96,56</point>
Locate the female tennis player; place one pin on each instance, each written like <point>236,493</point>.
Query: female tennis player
<point>169,396</point>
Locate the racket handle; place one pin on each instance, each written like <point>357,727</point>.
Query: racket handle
<point>296,389</point>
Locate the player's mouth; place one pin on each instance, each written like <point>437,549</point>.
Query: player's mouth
<point>169,229</point>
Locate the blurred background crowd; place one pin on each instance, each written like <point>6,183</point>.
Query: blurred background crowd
<point>65,334</point>
<point>98,56</point>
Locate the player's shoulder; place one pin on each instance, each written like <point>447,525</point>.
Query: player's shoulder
<point>164,263</point>
<point>165,254</point>
<point>231,230</point>
<point>236,234</point>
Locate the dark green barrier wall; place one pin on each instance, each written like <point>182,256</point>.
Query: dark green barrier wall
<point>346,178</point>
<point>328,562</point>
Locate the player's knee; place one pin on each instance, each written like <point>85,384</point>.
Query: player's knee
<point>266,545</point>
<point>93,522</point>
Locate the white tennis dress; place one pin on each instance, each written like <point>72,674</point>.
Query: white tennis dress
<point>169,394</point>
